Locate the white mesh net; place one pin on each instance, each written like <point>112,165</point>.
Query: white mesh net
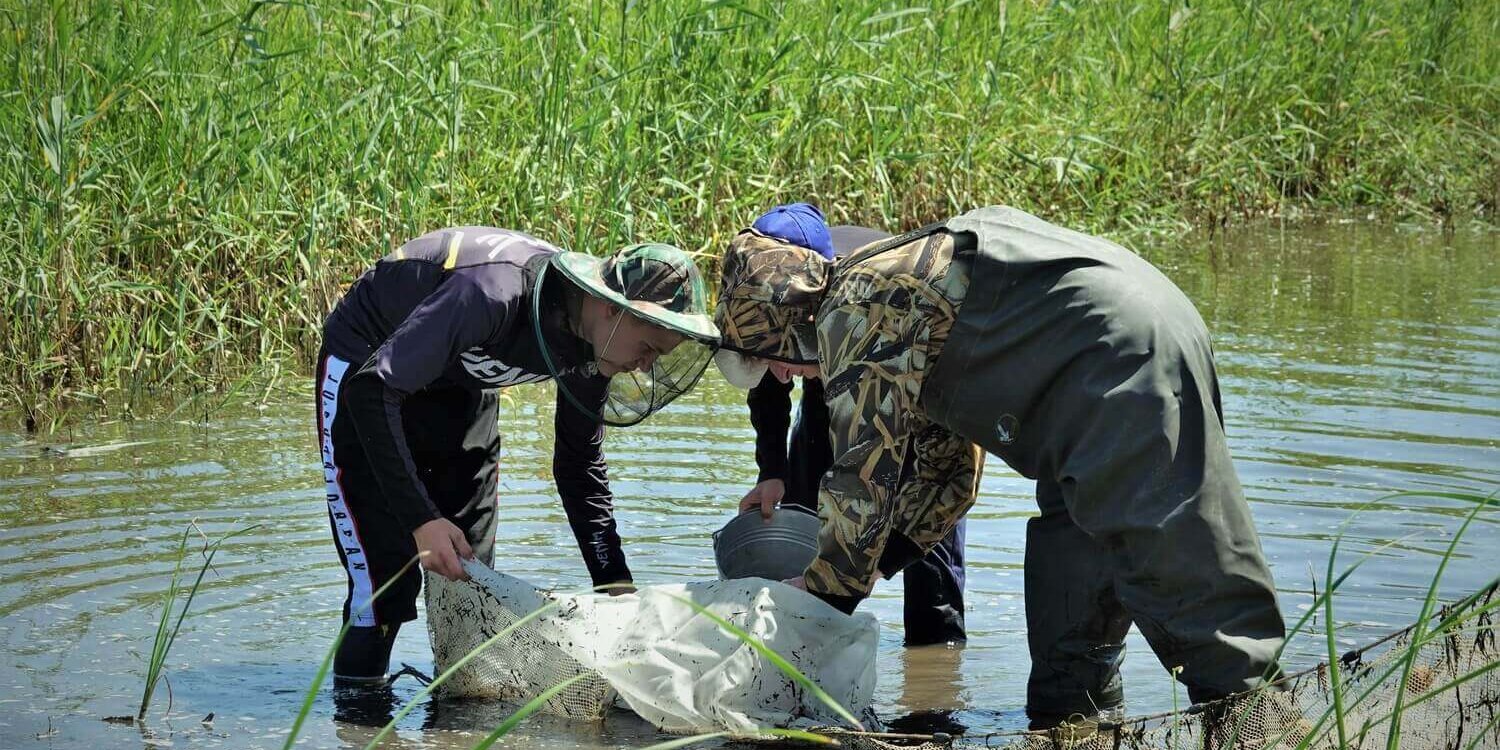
<point>653,653</point>
<point>560,644</point>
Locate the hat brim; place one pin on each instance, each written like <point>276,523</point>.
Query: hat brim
<point>587,272</point>
<point>742,371</point>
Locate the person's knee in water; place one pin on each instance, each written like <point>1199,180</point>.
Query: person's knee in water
<point>412,358</point>
<point>998,332</point>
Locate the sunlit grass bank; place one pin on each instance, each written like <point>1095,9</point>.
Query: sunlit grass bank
<point>191,183</point>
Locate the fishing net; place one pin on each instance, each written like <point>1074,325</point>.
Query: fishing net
<point>1450,697</point>
<point>651,652</point>
<point>560,644</point>
<point>680,670</point>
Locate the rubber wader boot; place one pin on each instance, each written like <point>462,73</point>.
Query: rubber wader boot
<point>364,656</point>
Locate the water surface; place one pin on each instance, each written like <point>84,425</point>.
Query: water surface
<point>1356,362</point>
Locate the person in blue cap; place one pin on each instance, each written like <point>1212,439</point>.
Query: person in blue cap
<point>793,449</point>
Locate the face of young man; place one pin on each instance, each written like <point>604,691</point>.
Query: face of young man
<point>624,343</point>
<point>785,372</point>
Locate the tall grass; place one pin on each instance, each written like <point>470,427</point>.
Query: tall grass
<point>192,183</point>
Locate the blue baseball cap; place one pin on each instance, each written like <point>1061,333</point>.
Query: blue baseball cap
<point>801,224</point>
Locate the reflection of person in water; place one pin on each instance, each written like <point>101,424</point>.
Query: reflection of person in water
<point>931,691</point>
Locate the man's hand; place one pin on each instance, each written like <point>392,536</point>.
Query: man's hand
<point>766,495</point>
<point>441,544</point>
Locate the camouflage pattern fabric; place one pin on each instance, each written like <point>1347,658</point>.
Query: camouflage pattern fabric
<point>769,294</point>
<point>882,324</point>
<point>656,274</point>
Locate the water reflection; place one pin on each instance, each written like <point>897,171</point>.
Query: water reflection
<point>932,695</point>
<point>1355,363</point>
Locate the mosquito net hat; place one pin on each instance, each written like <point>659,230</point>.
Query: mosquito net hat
<point>660,285</point>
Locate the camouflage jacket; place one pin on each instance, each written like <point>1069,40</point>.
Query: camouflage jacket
<point>899,482</point>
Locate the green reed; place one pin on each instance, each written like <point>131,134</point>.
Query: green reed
<point>167,627</point>
<point>1331,727</point>
<point>193,184</point>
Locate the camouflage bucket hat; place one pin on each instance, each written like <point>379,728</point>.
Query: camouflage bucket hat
<point>656,282</point>
<point>770,292</point>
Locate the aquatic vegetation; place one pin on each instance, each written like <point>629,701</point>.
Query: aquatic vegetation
<point>194,183</point>
<point>1322,710</point>
<point>166,627</point>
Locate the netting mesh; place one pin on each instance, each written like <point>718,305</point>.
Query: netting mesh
<point>1451,697</point>
<point>524,663</point>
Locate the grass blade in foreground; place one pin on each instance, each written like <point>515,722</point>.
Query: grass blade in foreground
<point>317,682</point>
<point>162,641</point>
<point>1393,739</point>
<point>798,734</point>
<point>775,658</point>
<point>450,671</point>
<point>162,644</point>
<point>525,711</point>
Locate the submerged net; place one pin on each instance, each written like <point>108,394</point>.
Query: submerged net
<point>1450,697</point>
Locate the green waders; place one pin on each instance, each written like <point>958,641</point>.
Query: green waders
<point>1086,369</point>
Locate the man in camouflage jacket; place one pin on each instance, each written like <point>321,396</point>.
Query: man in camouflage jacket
<point>1078,364</point>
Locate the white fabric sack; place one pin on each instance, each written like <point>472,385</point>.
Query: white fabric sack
<point>681,671</point>
<point>673,666</point>
<point>563,642</point>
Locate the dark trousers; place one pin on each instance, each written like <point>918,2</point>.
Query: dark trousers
<point>934,585</point>
<point>454,437</point>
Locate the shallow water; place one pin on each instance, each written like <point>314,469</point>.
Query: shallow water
<point>1356,362</point>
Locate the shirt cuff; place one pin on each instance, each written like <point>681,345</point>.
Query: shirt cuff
<point>845,604</point>
<point>899,553</point>
<point>415,515</point>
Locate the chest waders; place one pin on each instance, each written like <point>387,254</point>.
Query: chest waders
<point>1087,370</point>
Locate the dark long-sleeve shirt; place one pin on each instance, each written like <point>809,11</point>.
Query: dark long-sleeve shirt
<point>454,308</point>
<point>770,402</point>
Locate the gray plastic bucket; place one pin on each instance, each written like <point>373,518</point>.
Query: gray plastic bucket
<point>778,549</point>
